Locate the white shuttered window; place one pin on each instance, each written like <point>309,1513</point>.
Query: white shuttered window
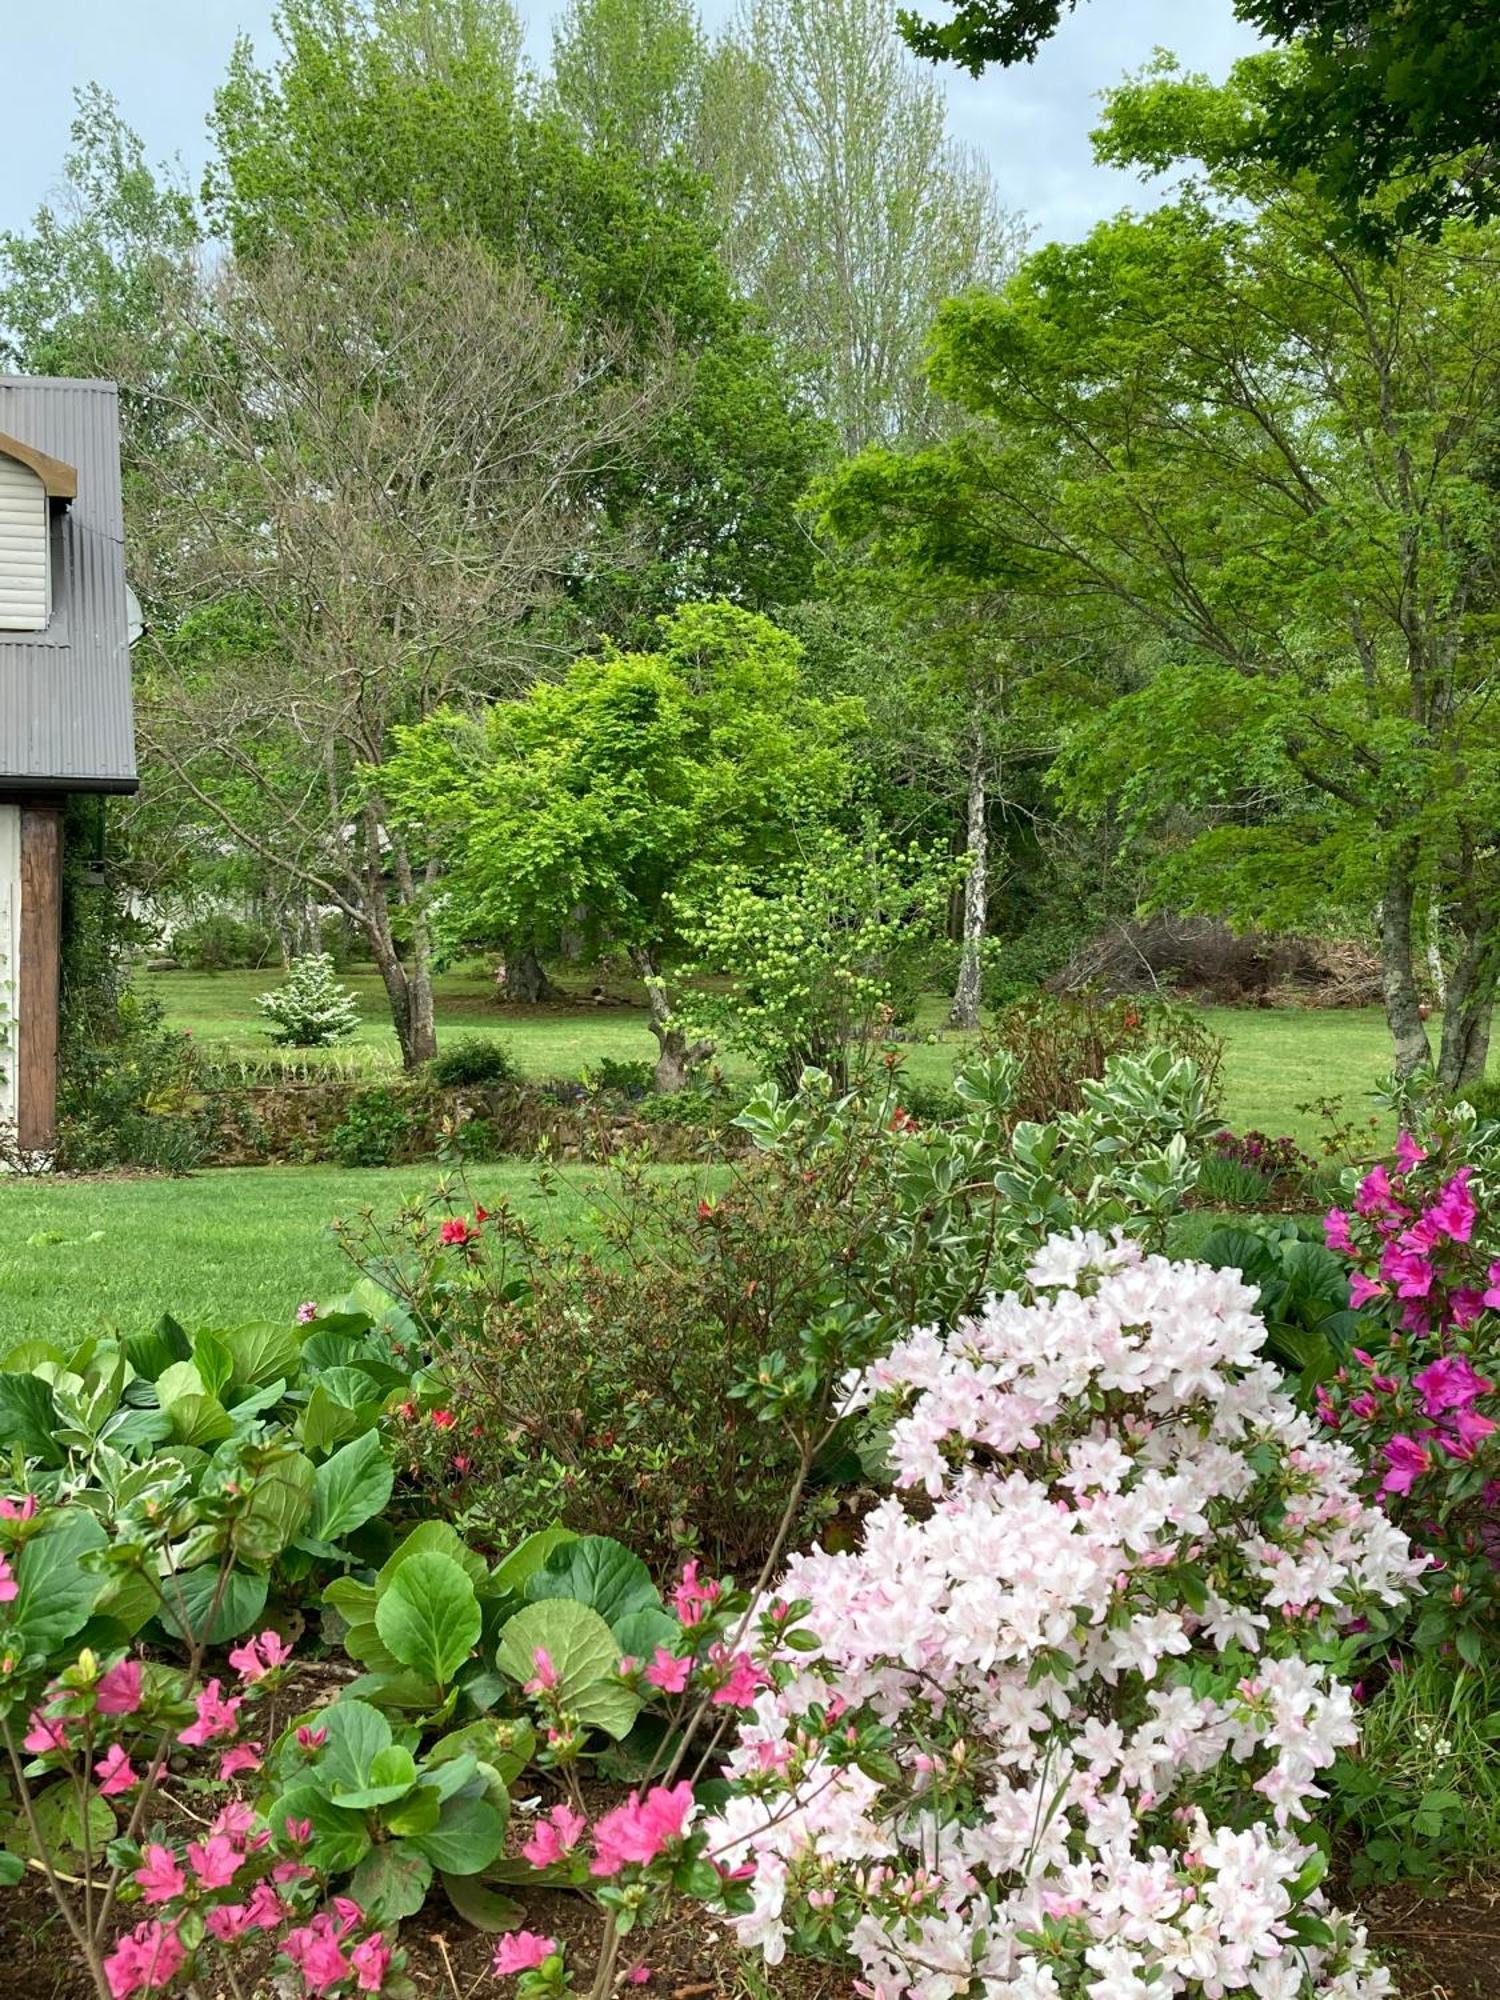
<point>23,548</point>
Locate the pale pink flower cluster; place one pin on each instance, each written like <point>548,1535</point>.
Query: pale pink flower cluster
<point>1062,1734</point>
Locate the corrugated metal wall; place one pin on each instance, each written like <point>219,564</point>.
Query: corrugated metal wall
<point>65,710</point>
<point>10,955</point>
<point>23,548</point>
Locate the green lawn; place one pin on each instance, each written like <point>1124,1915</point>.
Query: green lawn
<point>235,1244</point>
<point>250,1242</point>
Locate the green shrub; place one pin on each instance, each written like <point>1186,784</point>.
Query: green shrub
<point>1061,1042</point>
<point>1224,1183</point>
<point>619,1077</point>
<point>473,1060</point>
<point>310,1010</point>
<point>131,1096</point>
<point>642,1390</point>
<point>1419,1799</point>
<point>376,1130</point>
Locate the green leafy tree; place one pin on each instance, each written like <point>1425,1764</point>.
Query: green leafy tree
<point>381,115</point>
<point>820,957</point>
<point>1274,457</point>
<point>848,212</point>
<point>629,74</point>
<point>1391,103</point>
<point>593,803</point>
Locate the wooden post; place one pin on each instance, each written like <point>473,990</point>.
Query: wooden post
<point>37,986</point>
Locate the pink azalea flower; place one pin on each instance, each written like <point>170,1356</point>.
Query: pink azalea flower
<point>1453,1212</point>
<point>637,1974</point>
<point>18,1510</point>
<point>1408,1460</point>
<point>742,1679</point>
<point>160,1876</point>
<point>9,1588</point>
<point>1468,1429</point>
<point>119,1690</point>
<point>216,1717</point>
<point>1408,1153</point>
<point>371,1959</point>
<point>641,1828</point>
<point>523,1951</point>
<point>310,1740</point>
<point>237,1820</point>
<point>545,1675</point>
<point>669,1673</point>
<point>692,1600</point>
<point>243,1757</point>
<point>148,1959</point>
<point>553,1837</point>
<point>1363,1289</point>
<point>1336,1232</point>
<point>299,1831</point>
<point>265,1910</point>
<point>255,1658</point>
<point>1408,1270</point>
<point>315,1949</point>
<point>47,1733</point>
<point>1449,1383</point>
<point>227,1921</point>
<point>114,1772</point>
<point>215,1861</point>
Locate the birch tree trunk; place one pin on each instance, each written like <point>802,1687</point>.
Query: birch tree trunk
<point>967,994</point>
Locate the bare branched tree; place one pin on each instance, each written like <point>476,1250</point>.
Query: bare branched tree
<point>398,454</point>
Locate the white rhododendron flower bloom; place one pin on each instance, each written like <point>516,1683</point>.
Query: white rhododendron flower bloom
<point>1056,1729</point>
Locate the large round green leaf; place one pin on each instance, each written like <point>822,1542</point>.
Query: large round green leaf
<point>584,1656</point>
<point>428,1615</point>
<point>190,1598</point>
<point>600,1572</point>
<point>349,1487</point>
<point>357,1733</point>
<point>468,1836</point>
<point>391,1882</point>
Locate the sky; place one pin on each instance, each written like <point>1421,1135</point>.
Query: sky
<point>163,58</point>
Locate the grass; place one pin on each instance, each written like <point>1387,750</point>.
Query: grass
<point>245,1243</point>
<point>240,1243</point>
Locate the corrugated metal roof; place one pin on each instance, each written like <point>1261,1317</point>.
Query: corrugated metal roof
<point>66,721</point>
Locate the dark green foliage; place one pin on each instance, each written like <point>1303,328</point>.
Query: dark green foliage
<point>221,943</point>
<point>376,1129</point>
<point>1304,1292</point>
<point>127,1091</point>
<point>474,1059</point>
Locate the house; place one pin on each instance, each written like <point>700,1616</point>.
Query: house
<point>66,723</point>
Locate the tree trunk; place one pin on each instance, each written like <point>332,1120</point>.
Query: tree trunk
<point>677,1057</point>
<point>1398,981</point>
<point>526,979</point>
<point>964,1012</point>
<point>1470,1006</point>
<point>408,987</point>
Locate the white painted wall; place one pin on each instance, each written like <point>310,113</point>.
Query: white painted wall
<point>23,548</point>
<point>10,956</point>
